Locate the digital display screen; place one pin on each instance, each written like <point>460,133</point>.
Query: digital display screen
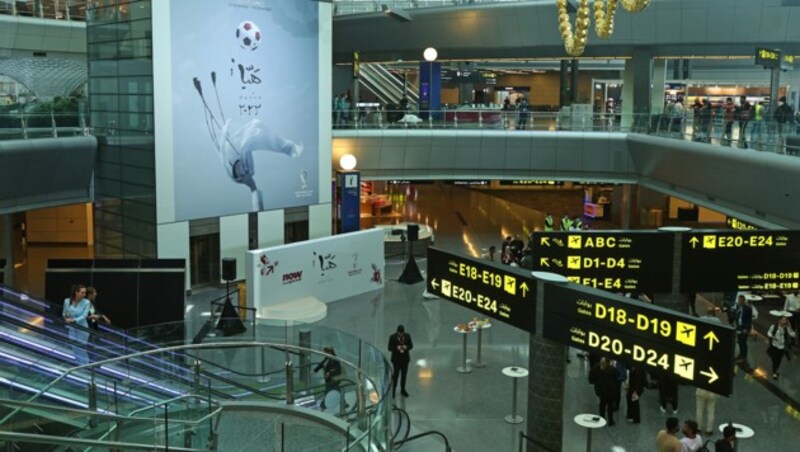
<point>616,261</point>
<point>500,292</point>
<point>768,58</point>
<point>739,225</point>
<point>532,182</point>
<point>698,351</point>
<point>743,260</point>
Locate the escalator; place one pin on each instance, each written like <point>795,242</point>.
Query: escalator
<point>386,85</point>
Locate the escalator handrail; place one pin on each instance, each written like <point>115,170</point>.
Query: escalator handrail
<point>110,416</point>
<point>12,437</point>
<point>423,434</point>
<point>124,348</point>
<point>50,385</point>
<point>147,372</point>
<point>403,414</point>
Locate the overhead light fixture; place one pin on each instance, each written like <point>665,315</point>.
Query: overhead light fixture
<point>396,13</point>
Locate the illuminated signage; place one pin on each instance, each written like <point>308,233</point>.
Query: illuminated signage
<point>768,58</point>
<point>739,225</point>
<point>698,351</point>
<point>614,261</point>
<point>744,260</point>
<point>500,292</point>
<point>524,182</point>
<point>469,182</point>
<point>787,62</point>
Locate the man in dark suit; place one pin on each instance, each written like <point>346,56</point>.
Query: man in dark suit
<point>400,344</point>
<point>744,323</point>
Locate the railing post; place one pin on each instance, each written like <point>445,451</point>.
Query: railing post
<point>197,367</point>
<point>166,427</point>
<point>480,119</point>
<point>289,383</point>
<point>360,404</point>
<point>92,398</point>
<point>53,124</point>
<point>24,125</point>
<point>304,340</point>
<point>455,119</point>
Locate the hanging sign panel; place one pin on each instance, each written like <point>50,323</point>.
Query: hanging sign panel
<point>499,292</point>
<point>698,351</point>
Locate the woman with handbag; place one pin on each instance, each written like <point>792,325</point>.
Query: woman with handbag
<point>779,334</point>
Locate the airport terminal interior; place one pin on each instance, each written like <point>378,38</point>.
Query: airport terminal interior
<point>225,188</point>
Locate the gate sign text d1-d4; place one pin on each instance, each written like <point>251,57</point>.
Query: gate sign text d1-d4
<point>633,332</point>
<point>502,293</point>
<point>616,261</point>
<point>741,260</point>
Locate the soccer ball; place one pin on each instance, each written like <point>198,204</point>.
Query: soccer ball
<point>249,35</point>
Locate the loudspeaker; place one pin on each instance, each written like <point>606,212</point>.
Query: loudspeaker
<point>413,232</point>
<point>229,269</point>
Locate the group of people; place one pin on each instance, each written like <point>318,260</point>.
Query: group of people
<point>516,253</point>
<point>711,120</point>
<point>692,441</point>
<point>519,109</point>
<point>80,310</point>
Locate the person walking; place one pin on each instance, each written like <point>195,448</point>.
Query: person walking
<point>332,370</point>
<point>637,382</point>
<point>668,392</point>
<point>400,344</point>
<point>792,305</point>
<point>744,118</point>
<point>604,378</point>
<point>725,444</point>
<point>706,402</point>
<point>783,118</point>
<point>779,334</point>
<point>667,440</point>
<point>756,132</point>
<point>729,114</point>
<point>75,313</point>
<point>743,323</point>
<point>95,316</point>
<point>692,441</point>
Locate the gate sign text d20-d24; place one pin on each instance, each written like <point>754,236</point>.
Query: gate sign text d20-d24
<point>616,261</point>
<point>502,293</point>
<point>698,351</point>
<point>741,260</point>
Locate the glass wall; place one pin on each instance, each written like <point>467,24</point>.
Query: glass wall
<point>119,41</point>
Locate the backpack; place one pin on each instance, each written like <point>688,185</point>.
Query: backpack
<point>706,447</point>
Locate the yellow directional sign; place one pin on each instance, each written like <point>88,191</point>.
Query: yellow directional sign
<point>710,242</point>
<point>574,242</point>
<point>684,367</point>
<point>685,333</point>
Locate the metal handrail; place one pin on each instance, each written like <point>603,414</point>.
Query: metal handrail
<point>403,414</point>
<point>540,446</point>
<point>110,416</point>
<point>50,439</point>
<point>61,377</point>
<point>447,447</point>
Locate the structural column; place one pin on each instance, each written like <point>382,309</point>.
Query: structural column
<point>637,80</point>
<point>545,384</point>
<point>7,248</point>
<point>573,83</point>
<point>657,93</point>
<point>675,300</point>
<point>562,84</point>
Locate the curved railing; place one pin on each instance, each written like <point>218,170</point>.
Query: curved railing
<point>366,423</point>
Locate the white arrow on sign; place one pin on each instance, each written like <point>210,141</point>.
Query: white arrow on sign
<point>712,376</point>
<point>434,284</point>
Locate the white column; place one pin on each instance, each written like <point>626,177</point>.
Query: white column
<point>657,88</point>
<point>271,230</point>
<point>173,243</point>
<point>627,95</point>
<point>319,220</point>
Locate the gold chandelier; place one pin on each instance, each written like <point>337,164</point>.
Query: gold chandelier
<point>604,13</point>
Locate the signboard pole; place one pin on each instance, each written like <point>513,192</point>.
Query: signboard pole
<point>547,366</point>
<point>774,84</point>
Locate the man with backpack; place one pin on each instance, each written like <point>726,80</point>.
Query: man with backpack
<point>783,118</point>
<point>744,118</point>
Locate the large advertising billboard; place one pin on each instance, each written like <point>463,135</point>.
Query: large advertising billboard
<point>245,102</point>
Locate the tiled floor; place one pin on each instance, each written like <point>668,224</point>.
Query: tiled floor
<point>469,408</point>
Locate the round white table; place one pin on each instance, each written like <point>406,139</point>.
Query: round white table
<point>480,326</point>
<point>464,368</point>
<point>515,373</point>
<point>751,297</point>
<point>742,432</point>
<point>590,422</point>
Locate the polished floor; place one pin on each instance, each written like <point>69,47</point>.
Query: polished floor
<point>470,408</point>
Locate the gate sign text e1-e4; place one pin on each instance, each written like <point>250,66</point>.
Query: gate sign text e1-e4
<point>661,340</point>
<point>500,292</point>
